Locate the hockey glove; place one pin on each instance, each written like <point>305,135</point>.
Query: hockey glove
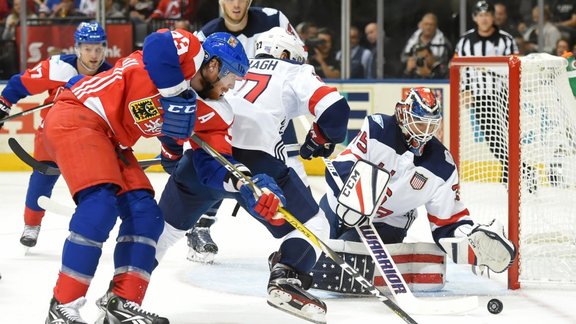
<point>169,159</point>
<point>316,144</point>
<point>491,246</point>
<point>266,205</point>
<point>4,109</point>
<point>179,115</point>
<point>349,216</point>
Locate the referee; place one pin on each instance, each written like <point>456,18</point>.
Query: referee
<point>486,39</point>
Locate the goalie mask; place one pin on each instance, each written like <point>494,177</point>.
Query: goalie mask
<point>419,117</point>
<point>278,41</point>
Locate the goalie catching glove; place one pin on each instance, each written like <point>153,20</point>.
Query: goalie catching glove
<point>491,246</point>
<point>316,144</point>
<point>266,204</point>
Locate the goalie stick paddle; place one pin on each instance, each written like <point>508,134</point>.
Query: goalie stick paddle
<point>389,271</point>
<point>48,169</point>
<point>311,236</point>
<point>26,112</point>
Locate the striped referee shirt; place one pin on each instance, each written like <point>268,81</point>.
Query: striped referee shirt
<point>500,43</point>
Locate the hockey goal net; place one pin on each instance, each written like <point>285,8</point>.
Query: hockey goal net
<point>513,136</point>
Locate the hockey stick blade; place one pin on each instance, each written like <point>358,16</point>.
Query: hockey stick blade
<point>48,169</point>
<point>41,167</point>
<point>393,277</point>
<point>311,236</point>
<point>50,205</point>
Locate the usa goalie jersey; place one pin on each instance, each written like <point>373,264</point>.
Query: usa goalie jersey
<point>430,180</point>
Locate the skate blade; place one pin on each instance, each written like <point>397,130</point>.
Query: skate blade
<point>309,312</point>
<point>205,257</point>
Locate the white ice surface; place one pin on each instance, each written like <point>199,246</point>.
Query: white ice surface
<point>233,290</point>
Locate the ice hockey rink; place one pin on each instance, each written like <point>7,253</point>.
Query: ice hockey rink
<point>233,289</point>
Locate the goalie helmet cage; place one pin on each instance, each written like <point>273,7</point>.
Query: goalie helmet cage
<point>513,137</point>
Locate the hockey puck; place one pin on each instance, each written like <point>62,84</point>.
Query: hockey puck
<point>495,306</point>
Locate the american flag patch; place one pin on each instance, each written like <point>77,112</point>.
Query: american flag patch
<point>418,181</point>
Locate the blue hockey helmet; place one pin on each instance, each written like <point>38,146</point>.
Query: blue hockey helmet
<point>229,51</point>
<point>89,32</point>
<point>419,116</point>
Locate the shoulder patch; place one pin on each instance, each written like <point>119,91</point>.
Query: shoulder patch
<point>378,120</point>
<point>449,158</point>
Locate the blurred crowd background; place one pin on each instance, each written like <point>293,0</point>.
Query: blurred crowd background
<point>406,25</point>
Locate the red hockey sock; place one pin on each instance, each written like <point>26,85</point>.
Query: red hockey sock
<point>68,289</point>
<point>33,217</point>
<point>130,286</point>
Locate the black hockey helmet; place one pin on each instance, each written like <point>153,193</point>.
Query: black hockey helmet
<point>483,6</point>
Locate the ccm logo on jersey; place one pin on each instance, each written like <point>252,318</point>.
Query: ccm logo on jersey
<point>178,109</point>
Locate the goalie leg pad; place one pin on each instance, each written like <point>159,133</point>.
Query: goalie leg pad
<point>491,246</point>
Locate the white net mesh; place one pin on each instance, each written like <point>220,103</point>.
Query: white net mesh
<point>547,163</point>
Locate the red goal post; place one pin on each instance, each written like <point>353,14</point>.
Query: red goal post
<point>509,118</point>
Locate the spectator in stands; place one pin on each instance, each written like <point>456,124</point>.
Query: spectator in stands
<point>422,64</point>
<point>114,9</point>
<point>551,33</point>
<point>429,35</point>
<point>13,19</point>
<point>307,30</point>
<point>563,13</point>
<point>390,59</point>
<point>359,55</point>
<point>140,10</point>
<point>88,7</point>
<point>501,20</point>
<point>322,57</point>
<point>172,9</point>
<point>562,46</point>
<point>65,9</point>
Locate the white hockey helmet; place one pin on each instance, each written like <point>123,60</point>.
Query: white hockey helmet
<point>278,40</point>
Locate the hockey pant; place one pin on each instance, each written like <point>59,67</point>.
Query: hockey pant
<point>185,199</point>
<point>95,216</point>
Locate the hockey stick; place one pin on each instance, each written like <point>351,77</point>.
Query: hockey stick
<point>389,270</point>
<point>26,112</point>
<point>48,169</point>
<point>311,236</point>
<point>49,204</point>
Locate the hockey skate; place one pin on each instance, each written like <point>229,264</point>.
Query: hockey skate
<point>201,246</point>
<point>286,292</point>
<point>65,313</point>
<point>115,310</point>
<point>30,235</point>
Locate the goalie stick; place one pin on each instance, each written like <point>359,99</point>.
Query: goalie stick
<point>389,271</point>
<point>48,169</point>
<point>311,236</point>
<point>26,112</point>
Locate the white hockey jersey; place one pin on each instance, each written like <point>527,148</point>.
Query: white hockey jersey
<point>273,92</point>
<point>430,180</point>
<point>259,20</point>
